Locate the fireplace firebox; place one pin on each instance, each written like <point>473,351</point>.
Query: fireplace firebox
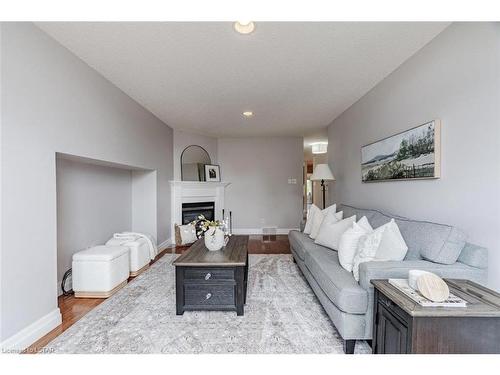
<point>191,211</point>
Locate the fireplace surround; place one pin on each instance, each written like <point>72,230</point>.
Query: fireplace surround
<point>194,192</point>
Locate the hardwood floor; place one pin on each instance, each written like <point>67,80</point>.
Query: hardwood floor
<point>73,309</point>
<point>269,244</point>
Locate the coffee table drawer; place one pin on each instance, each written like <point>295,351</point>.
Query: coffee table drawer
<point>209,295</point>
<point>208,274</point>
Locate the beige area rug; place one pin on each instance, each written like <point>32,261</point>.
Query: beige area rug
<point>282,315</point>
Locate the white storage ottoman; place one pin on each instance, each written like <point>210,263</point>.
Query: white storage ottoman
<point>100,271</point>
<point>139,253</point>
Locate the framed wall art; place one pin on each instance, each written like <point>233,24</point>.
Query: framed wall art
<point>412,154</point>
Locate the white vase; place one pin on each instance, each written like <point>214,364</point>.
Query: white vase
<point>214,239</point>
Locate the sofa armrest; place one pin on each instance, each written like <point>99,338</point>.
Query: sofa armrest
<point>399,270</point>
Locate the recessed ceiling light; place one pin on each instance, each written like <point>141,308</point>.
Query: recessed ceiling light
<point>244,27</point>
<point>248,113</point>
<point>319,148</point>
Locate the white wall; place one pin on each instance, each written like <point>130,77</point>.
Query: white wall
<point>455,78</point>
<point>93,202</point>
<point>53,102</point>
<point>144,202</point>
<point>182,139</point>
<point>258,170</point>
<point>2,218</point>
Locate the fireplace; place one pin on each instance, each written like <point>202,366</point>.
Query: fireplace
<point>191,211</point>
<point>202,194</point>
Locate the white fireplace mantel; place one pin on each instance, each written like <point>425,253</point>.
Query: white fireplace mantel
<point>194,191</point>
<point>199,184</point>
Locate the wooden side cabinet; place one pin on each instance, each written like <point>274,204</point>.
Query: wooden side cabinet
<point>392,333</point>
<point>402,326</point>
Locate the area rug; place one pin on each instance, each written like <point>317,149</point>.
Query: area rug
<point>282,315</point>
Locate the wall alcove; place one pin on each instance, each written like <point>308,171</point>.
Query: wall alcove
<point>96,199</point>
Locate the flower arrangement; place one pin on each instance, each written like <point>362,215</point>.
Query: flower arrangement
<point>213,231</point>
<point>203,224</point>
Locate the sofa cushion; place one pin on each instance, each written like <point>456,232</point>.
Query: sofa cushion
<point>474,256</point>
<point>438,243</point>
<point>337,283</point>
<point>301,243</point>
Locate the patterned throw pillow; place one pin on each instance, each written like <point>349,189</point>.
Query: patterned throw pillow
<point>367,249</point>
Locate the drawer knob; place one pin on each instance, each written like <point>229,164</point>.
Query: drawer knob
<point>208,276</point>
<point>208,296</point>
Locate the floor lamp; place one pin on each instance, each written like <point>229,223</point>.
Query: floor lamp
<point>322,173</point>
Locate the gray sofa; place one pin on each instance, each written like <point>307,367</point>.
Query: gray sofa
<point>437,248</point>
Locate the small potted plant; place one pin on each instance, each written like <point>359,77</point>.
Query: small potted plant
<point>213,231</point>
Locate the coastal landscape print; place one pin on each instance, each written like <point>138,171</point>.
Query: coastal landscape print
<point>412,154</point>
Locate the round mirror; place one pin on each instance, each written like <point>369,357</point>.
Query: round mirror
<point>193,160</point>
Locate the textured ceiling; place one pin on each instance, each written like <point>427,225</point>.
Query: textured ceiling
<point>295,77</point>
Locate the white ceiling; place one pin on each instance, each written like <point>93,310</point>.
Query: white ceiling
<point>295,77</point>
<point>320,135</point>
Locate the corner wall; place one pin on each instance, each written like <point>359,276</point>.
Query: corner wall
<point>455,78</point>
<point>258,170</point>
<point>182,139</point>
<point>53,102</point>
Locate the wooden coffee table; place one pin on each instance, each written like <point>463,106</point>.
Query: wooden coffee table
<point>212,280</point>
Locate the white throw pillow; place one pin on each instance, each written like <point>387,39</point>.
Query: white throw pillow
<point>188,234</point>
<point>330,232</point>
<point>310,218</point>
<point>392,246</point>
<point>365,224</point>
<point>349,242</point>
<point>332,217</point>
<point>316,223</point>
<point>332,208</point>
<point>367,249</point>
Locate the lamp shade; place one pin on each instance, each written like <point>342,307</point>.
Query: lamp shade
<point>322,172</point>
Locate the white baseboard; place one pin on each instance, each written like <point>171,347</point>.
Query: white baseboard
<point>27,336</point>
<point>259,230</point>
<point>58,287</point>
